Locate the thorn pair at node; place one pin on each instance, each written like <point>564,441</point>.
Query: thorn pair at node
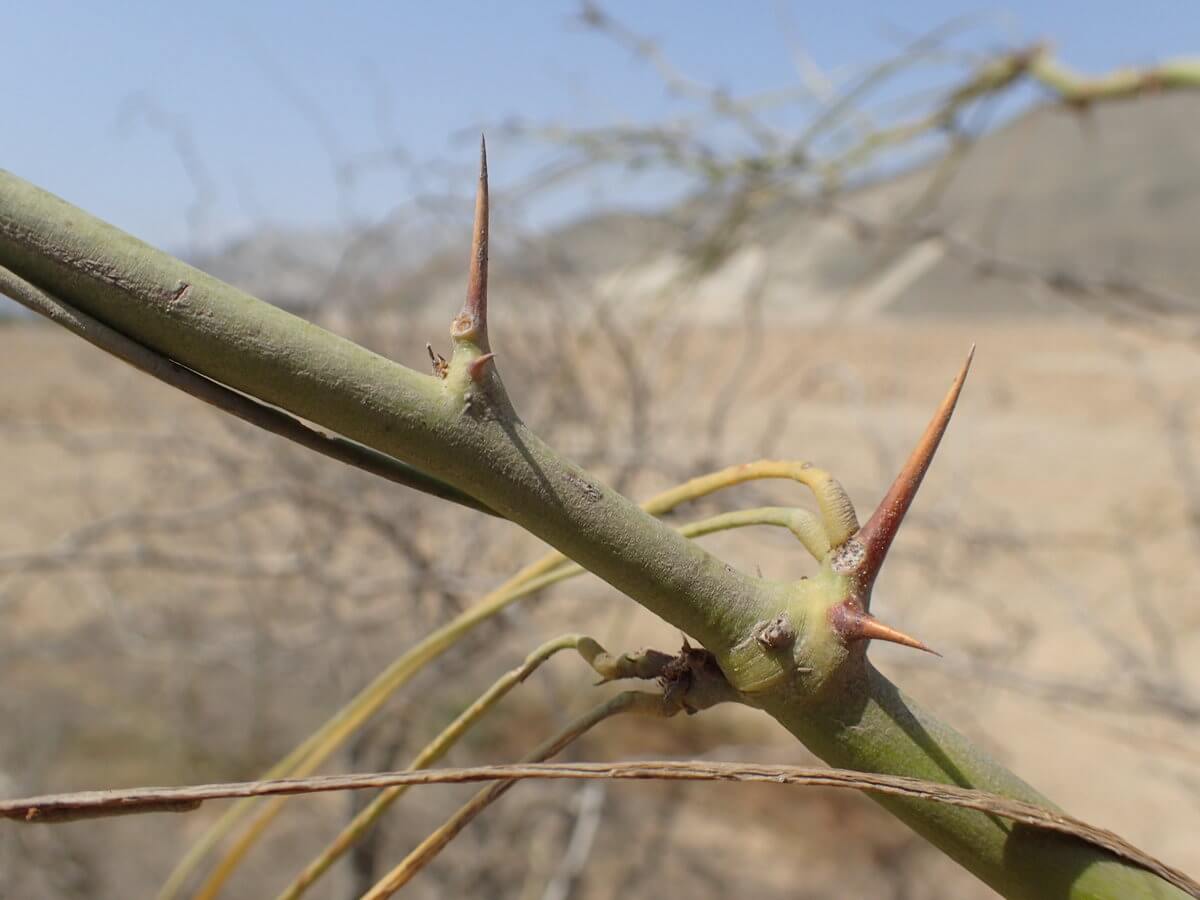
<point>861,550</point>
<point>877,534</point>
<point>862,555</point>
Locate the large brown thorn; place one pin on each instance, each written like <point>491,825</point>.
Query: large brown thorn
<point>877,534</point>
<point>471,323</point>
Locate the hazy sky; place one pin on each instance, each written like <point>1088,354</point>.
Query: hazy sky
<point>265,95</point>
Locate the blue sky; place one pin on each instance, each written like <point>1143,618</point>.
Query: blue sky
<point>265,95</point>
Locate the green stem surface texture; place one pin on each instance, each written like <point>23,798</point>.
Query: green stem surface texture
<point>872,726</point>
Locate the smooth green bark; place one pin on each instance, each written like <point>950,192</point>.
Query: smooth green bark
<point>465,435</point>
<point>870,725</point>
<point>274,356</point>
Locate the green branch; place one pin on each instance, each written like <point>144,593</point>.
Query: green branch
<point>465,437</point>
<point>248,410</point>
<point>795,649</point>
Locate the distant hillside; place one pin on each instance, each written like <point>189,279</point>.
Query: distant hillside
<point>1111,193</point>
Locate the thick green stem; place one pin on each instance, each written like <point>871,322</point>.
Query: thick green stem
<point>870,725</point>
<point>443,427</point>
<point>461,430</point>
<point>265,417</point>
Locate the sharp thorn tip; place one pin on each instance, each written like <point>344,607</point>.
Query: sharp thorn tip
<point>867,627</point>
<point>879,531</point>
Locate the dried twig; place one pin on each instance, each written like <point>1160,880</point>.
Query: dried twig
<point>430,754</point>
<point>91,804</point>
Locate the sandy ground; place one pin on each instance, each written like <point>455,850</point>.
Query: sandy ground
<point>1053,557</point>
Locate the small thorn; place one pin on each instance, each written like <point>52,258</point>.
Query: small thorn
<point>877,534</point>
<point>870,628</point>
<point>476,366</point>
<point>852,623</point>
<point>471,323</point>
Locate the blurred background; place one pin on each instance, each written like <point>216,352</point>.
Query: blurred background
<point>720,232</point>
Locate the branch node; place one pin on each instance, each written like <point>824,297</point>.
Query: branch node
<point>693,681</point>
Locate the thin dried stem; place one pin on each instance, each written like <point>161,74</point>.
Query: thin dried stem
<point>90,804</point>
<point>1079,89</point>
<point>428,849</point>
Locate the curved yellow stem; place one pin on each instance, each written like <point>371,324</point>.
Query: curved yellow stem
<point>802,523</point>
<point>553,567</point>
